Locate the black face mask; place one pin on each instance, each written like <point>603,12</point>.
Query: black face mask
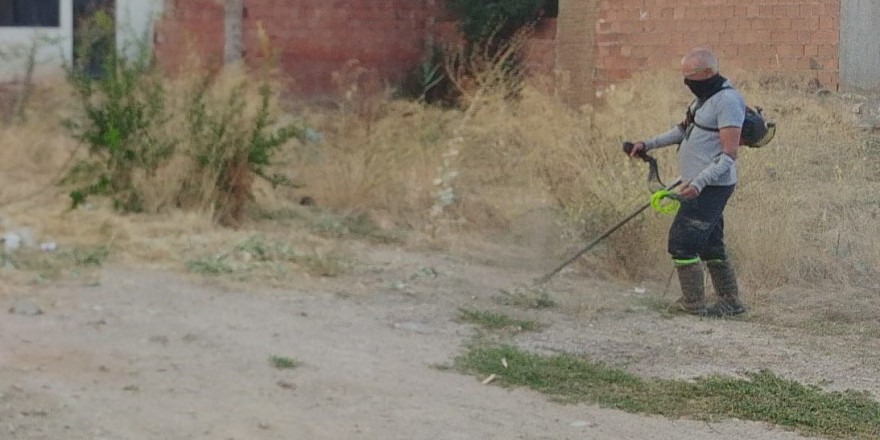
<point>705,88</point>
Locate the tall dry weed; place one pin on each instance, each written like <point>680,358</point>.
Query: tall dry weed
<point>804,210</point>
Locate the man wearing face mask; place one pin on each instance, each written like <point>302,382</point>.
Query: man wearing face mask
<point>708,139</point>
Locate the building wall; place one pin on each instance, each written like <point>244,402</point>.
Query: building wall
<point>190,30</point>
<point>316,38</point>
<point>135,20</point>
<point>788,36</point>
<point>134,23</point>
<point>322,45</point>
<point>860,45</point>
<point>575,55</point>
<point>16,43</point>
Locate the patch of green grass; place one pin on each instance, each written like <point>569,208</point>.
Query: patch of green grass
<point>656,305</point>
<point>210,265</point>
<point>330,264</point>
<point>284,216</point>
<point>355,226</point>
<point>262,257</point>
<point>283,362</point>
<point>760,396</point>
<point>497,321</point>
<point>526,297</point>
<point>74,261</point>
<point>90,256</point>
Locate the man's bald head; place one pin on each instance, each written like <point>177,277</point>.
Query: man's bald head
<point>699,64</point>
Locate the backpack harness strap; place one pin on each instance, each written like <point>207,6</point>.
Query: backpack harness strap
<point>691,114</point>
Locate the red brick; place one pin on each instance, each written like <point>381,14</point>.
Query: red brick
<point>828,22</point>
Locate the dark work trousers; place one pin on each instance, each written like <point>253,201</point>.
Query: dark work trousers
<point>698,228</point>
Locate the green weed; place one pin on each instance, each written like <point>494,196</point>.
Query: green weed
<point>760,396</point>
<point>210,265</point>
<point>497,321</point>
<point>355,226</point>
<point>283,362</point>
<point>530,298</point>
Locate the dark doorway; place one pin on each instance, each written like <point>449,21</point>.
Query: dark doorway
<point>94,34</point>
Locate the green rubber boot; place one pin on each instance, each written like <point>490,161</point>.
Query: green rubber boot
<point>690,277</point>
<point>724,280</point>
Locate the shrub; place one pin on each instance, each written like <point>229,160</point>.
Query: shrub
<point>231,145</point>
<point>122,113</point>
<point>494,21</point>
<point>154,143</point>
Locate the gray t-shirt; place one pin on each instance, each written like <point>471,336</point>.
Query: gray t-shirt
<point>698,146</point>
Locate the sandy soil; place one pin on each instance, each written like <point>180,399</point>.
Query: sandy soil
<point>159,355</point>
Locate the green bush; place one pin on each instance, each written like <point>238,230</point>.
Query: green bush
<point>137,124</point>
<point>122,113</point>
<point>231,146</point>
<point>494,21</point>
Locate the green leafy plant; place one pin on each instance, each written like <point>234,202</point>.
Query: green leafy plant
<point>427,80</point>
<point>122,111</point>
<point>233,147</point>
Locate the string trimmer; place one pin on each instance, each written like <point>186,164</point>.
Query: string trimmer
<point>658,201</point>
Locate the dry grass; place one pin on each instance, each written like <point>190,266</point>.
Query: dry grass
<point>804,211</point>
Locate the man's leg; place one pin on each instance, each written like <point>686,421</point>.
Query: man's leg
<point>696,221</point>
<point>724,280</point>
<point>722,274</point>
<point>690,278</point>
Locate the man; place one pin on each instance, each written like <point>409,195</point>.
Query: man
<point>708,138</point>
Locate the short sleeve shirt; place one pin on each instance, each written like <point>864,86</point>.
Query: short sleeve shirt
<point>723,109</point>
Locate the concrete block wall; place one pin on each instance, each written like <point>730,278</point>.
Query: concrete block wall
<point>787,36</point>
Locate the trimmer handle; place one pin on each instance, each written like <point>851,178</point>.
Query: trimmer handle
<point>627,148</point>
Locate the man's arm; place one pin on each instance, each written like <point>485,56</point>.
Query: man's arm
<point>675,135</point>
<point>720,165</point>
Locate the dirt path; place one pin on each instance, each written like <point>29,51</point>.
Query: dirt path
<point>155,355</point>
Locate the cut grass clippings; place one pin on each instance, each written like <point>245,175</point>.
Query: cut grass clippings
<point>760,396</point>
<point>497,321</point>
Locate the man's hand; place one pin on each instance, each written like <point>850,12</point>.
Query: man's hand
<point>687,191</point>
<point>636,149</point>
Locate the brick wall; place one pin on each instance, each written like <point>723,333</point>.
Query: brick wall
<point>311,39</point>
<point>592,43</point>
<point>788,36</point>
<point>575,54</point>
<point>190,27</point>
<point>317,37</point>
